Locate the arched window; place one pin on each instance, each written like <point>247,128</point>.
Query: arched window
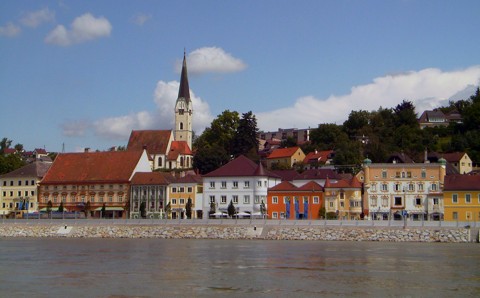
<point>181,125</point>
<point>181,161</point>
<point>159,161</point>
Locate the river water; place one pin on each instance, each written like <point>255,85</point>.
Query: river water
<point>66,267</point>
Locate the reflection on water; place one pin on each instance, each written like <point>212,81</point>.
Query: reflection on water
<point>238,268</point>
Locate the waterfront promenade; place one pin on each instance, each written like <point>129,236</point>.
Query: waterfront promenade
<point>392,231</point>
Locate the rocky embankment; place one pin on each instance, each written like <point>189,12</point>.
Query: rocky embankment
<point>453,235</point>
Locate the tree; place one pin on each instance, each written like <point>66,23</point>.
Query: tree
<point>49,207</point>
<point>188,208</point>
<point>288,142</point>
<point>209,157</point>
<point>405,114</point>
<point>60,207</point>
<point>4,144</point>
<point>245,141</point>
<point>357,120</point>
<point>86,208</point>
<point>18,147</point>
<point>212,209</point>
<point>103,210</point>
<point>143,209</point>
<point>10,162</point>
<point>231,209</point>
<point>325,136</point>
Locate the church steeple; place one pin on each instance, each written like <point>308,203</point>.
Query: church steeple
<point>183,108</point>
<point>184,90</point>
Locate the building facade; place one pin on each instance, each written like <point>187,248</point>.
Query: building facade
<point>395,190</point>
<point>343,199</point>
<point>462,198</point>
<point>148,195</point>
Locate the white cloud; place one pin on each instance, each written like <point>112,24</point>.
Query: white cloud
<point>427,88</point>
<point>140,18</point>
<point>212,59</point>
<point>35,18</point>
<point>165,96</point>
<point>10,30</point>
<point>83,28</point>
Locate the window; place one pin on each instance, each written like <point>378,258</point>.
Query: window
<point>454,198</point>
<point>285,199</point>
<point>331,204</point>
<point>409,174</point>
<point>424,173</point>
<point>398,201</point>
<point>212,199</point>
<point>384,174</point>
<point>411,187</point>
<point>11,183</point>
<point>159,162</point>
<point>384,187</point>
<point>212,184</point>
<point>4,183</point>
<point>224,184</point>
<point>181,189</point>
<point>384,201</point>
<point>373,201</point>
<point>189,189</point>
<point>110,198</point>
<point>259,183</point>
<point>223,199</point>
<point>26,193</point>
<point>275,215</point>
<point>420,186</point>
<point>374,187</point>
<point>120,198</point>
<point>92,198</point>
<point>403,175</point>
<point>418,201</point>
<point>342,204</point>
<point>182,201</point>
<point>455,215</point>
<point>316,200</point>
<point>235,199</point>
<point>174,189</point>
<point>247,184</point>
<point>257,200</point>
<point>174,201</point>
<point>342,195</point>
<point>435,201</point>
<point>19,182</point>
<point>397,187</point>
<point>468,198</point>
<point>434,187</point>
<point>282,214</point>
<point>235,184</point>
<point>26,182</point>
<point>274,200</point>
<point>246,199</point>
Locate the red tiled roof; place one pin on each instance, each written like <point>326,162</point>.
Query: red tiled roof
<point>94,166</point>
<point>156,141</point>
<point>40,151</point>
<point>453,157</point>
<point>319,156</point>
<point>283,152</point>
<point>353,183</point>
<point>284,186</point>
<point>178,148</point>
<point>151,178</point>
<point>287,175</point>
<point>9,150</point>
<point>240,166</point>
<point>462,182</point>
<point>313,174</point>
<point>311,186</point>
<point>189,179</point>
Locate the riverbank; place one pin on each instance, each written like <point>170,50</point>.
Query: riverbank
<point>391,234</point>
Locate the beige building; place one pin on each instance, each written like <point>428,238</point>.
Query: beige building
<point>392,190</point>
<point>18,189</point>
<point>285,157</point>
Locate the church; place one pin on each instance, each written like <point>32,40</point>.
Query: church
<point>170,149</point>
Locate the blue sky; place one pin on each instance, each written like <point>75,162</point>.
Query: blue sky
<point>85,73</point>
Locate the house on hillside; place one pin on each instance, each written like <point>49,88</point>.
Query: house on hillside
<point>88,181</point>
<point>316,158</point>
<point>242,182</point>
<point>459,160</point>
<point>285,157</point>
<point>18,188</point>
<point>287,201</point>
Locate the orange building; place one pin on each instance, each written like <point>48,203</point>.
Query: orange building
<point>287,201</point>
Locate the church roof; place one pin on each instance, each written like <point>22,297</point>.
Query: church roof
<point>155,141</point>
<point>184,90</point>
<point>178,148</point>
<point>240,166</point>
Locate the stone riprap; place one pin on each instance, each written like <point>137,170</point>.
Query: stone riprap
<point>454,235</point>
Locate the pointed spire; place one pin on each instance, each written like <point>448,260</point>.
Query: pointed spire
<point>184,90</point>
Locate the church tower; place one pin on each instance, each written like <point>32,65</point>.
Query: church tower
<point>183,109</point>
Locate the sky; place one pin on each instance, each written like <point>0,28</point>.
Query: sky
<point>76,74</point>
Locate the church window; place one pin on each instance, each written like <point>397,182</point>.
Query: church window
<point>159,161</point>
<point>181,125</point>
<point>181,161</point>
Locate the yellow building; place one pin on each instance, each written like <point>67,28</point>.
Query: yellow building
<point>285,157</point>
<point>462,198</point>
<point>344,198</point>
<point>182,191</point>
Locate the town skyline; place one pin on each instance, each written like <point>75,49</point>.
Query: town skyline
<point>85,75</point>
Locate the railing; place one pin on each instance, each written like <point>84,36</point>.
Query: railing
<point>409,223</point>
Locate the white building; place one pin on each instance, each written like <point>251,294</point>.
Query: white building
<point>240,181</point>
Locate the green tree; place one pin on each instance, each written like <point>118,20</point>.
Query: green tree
<point>288,142</point>
<point>103,211</point>
<point>4,144</point>
<point>209,157</point>
<point>326,135</point>
<point>231,209</point>
<point>405,114</point>
<point>49,207</point>
<point>60,207</point>
<point>143,209</point>
<point>10,162</point>
<point>18,147</point>
<point>355,124</point>
<point>188,208</point>
<point>245,141</point>
<point>212,209</point>
<point>86,208</point>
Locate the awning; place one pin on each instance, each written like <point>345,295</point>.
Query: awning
<point>110,209</point>
<point>44,209</point>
